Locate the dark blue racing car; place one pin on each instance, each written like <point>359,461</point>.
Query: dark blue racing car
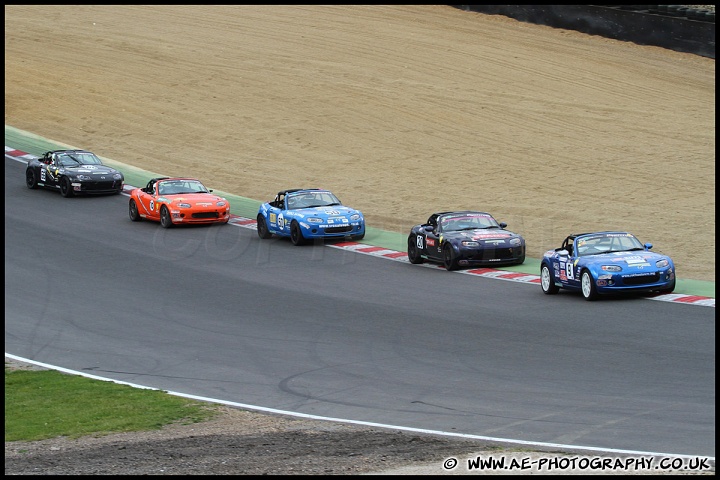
<point>463,239</point>
<point>604,263</point>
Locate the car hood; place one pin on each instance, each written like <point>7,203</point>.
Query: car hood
<point>628,260</point>
<point>90,169</point>
<point>480,234</point>
<point>195,198</point>
<point>326,211</point>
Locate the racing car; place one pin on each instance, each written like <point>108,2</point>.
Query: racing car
<point>465,238</point>
<point>175,201</point>
<point>309,214</point>
<point>598,263</point>
<point>73,172</point>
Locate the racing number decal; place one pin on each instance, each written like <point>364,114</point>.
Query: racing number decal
<point>281,221</point>
<point>569,270</point>
<point>419,241</point>
<point>42,174</point>
<point>152,205</point>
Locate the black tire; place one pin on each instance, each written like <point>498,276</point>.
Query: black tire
<point>359,237</point>
<point>412,250</point>
<point>588,286</point>
<point>296,236</point>
<point>521,260</point>
<point>66,188</point>
<point>133,211</point>
<point>165,219</point>
<point>547,282</point>
<point>449,259</point>
<point>262,228</point>
<point>30,179</point>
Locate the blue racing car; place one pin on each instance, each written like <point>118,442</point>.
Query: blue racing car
<point>606,262</point>
<point>309,214</point>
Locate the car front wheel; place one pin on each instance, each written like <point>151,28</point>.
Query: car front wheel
<point>66,189</point>
<point>547,282</point>
<point>669,289</point>
<point>165,219</point>
<point>449,258</point>
<point>296,236</point>
<point>588,286</point>
<point>30,179</point>
<point>262,228</point>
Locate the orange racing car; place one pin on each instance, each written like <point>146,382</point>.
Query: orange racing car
<point>175,201</point>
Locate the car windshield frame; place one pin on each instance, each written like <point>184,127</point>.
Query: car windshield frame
<point>311,199</point>
<point>457,222</point>
<point>69,159</point>
<point>181,187</point>
<point>601,243</point>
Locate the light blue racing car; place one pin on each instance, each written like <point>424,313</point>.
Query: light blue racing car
<point>605,263</point>
<point>309,214</point>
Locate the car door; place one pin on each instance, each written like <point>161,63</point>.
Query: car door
<point>276,219</point>
<point>431,242</point>
<point>147,202</point>
<point>569,271</point>
<point>49,173</point>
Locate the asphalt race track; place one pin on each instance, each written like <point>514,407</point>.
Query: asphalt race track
<point>217,312</point>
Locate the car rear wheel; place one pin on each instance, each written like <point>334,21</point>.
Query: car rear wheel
<point>262,228</point>
<point>413,252</point>
<point>547,282</point>
<point>588,286</point>
<point>165,219</point>
<point>66,189</point>
<point>30,179</point>
<point>133,210</point>
<point>449,258</point>
<point>296,236</point>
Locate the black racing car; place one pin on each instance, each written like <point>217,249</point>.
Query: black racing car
<point>465,238</point>
<point>73,172</point>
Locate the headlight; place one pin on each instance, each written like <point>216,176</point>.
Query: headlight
<point>611,268</point>
<point>184,205</point>
<point>662,263</point>
<point>117,176</point>
<point>221,204</point>
<point>355,216</point>
<point>469,243</point>
<point>515,241</point>
<point>83,177</point>
<point>314,220</point>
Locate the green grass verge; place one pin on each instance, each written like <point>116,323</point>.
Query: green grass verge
<point>42,404</point>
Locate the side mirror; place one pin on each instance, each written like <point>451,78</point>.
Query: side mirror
<point>428,228</point>
<point>648,246</point>
<point>503,224</point>
<point>562,252</point>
